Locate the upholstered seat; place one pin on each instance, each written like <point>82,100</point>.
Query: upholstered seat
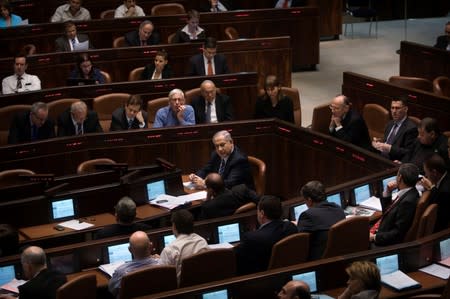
<point>376,118</point>
<point>291,250</point>
<point>168,9</point>
<point>153,106</point>
<point>89,165</point>
<point>441,86</point>
<point>321,119</point>
<point>105,105</point>
<point>135,74</point>
<point>84,286</point>
<point>412,82</point>
<point>422,205</point>
<point>7,114</point>
<point>119,42</point>
<point>231,33</point>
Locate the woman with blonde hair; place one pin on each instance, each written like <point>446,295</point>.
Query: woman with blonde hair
<point>364,281</point>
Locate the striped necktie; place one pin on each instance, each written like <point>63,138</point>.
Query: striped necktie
<point>222,167</point>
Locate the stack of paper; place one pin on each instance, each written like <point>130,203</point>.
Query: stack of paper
<point>110,268</point>
<point>437,270</point>
<point>399,281</point>
<point>170,202</point>
<point>372,202</point>
<point>76,224</point>
<point>13,285</point>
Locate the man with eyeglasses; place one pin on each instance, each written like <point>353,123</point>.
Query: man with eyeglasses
<point>400,133</point>
<point>443,41</point>
<point>20,81</point>
<point>31,125</point>
<point>346,124</point>
<point>209,63</point>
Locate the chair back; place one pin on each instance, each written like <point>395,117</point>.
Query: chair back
<point>119,42</point>
<point>412,82</point>
<point>84,286</point>
<point>294,95</point>
<point>168,9</point>
<point>376,118</point>
<point>427,221</point>
<point>153,106</point>
<point>231,33</point>
<point>7,114</point>
<point>56,108</point>
<point>135,74</point>
<point>190,94</point>
<point>207,266</point>
<point>107,14</point>
<point>441,86</point>
<point>291,250</point>
<point>171,38</point>
<point>259,174</point>
<point>29,49</point>
<point>107,76</point>
<point>422,204</point>
<point>339,242</point>
<point>245,208</point>
<point>148,280</point>
<point>321,118</point>
<point>12,176</point>
<point>105,105</point>
<point>88,166</point>
<point>415,120</point>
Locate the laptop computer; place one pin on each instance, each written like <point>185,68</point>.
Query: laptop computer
<point>364,203</point>
<point>335,198</point>
<point>444,249</point>
<point>116,255</point>
<point>392,276</point>
<point>79,81</point>
<point>385,181</point>
<point>7,273</point>
<point>155,188</point>
<point>229,233</point>
<point>62,209</point>
<point>297,210</point>
<point>218,294</point>
<point>311,279</point>
<point>168,239</point>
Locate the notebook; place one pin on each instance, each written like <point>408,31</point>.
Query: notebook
<point>62,209</point>
<point>392,276</point>
<point>155,188</point>
<point>229,233</point>
<point>117,255</point>
<point>298,210</point>
<point>219,294</point>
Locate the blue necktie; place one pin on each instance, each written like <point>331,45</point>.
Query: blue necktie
<point>73,44</point>
<point>130,123</point>
<point>34,133</point>
<point>222,167</point>
<point>391,136</point>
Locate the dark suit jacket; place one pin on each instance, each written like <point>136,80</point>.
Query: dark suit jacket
<point>237,169</point>
<point>224,110</point>
<point>420,151</point>
<point>183,37</point>
<point>206,6</point>
<point>403,140</point>
<point>90,125</point>
<point>62,43</point>
<point>442,42</point>
<point>354,130</point>
<point>42,286</point>
<point>120,229</point>
<point>441,196</point>
<point>20,129</point>
<point>197,65</point>
<point>150,68</point>
<point>132,39</point>
<point>119,120</point>
<point>254,251</point>
<point>317,220</point>
<point>294,3</point>
<point>396,221</point>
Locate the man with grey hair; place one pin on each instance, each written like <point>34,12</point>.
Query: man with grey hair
<point>31,125</point>
<point>176,113</point>
<point>78,120</point>
<point>295,289</point>
<point>398,212</point>
<point>228,161</point>
<point>42,283</point>
<point>125,216</point>
<point>210,106</point>
<point>145,36</point>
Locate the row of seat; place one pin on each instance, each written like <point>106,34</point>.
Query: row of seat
<point>440,85</point>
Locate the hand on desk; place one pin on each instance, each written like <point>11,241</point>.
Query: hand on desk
<point>197,181</point>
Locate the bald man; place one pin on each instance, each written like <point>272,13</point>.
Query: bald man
<point>210,106</point>
<point>141,249</point>
<point>295,289</point>
<point>78,120</point>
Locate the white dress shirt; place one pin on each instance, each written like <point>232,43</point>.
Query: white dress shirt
<point>121,11</point>
<point>29,83</point>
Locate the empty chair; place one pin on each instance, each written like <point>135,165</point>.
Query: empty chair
<point>347,236</point>
<point>321,119</point>
<point>84,286</point>
<point>167,9</point>
<point>360,9</point>
<point>376,118</point>
<point>149,280</point>
<point>231,33</point>
<point>29,49</point>
<point>207,266</point>
<point>89,165</point>
<point>441,86</point>
<point>427,221</point>
<point>412,82</point>
<point>153,107</point>
<point>422,204</point>
<point>259,174</point>
<point>107,76</point>
<point>107,14</point>
<point>105,105</point>
<point>6,116</point>
<point>119,42</point>
<point>12,176</point>
<point>293,249</point>
<point>294,95</point>
<point>135,74</point>
<point>171,38</point>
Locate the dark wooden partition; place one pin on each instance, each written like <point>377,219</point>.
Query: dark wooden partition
<point>423,61</point>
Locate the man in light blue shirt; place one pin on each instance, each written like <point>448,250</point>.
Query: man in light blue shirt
<point>176,113</point>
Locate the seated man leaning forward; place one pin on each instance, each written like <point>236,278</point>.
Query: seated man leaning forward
<point>176,113</point>
<point>228,161</point>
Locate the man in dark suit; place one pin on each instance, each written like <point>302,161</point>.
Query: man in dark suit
<point>318,218</point>
<point>228,161</point>
<point>398,212</point>
<point>346,124</point>
<point>129,117</point>
<point>43,283</point>
<point>443,41</point>
<point>31,125</point>
<point>400,133</point>
<point>221,201</point>
<point>77,120</point>
<point>71,40</point>
<point>254,251</point>
<point>145,36</point>
<point>211,107</point>
<point>437,180</point>
<point>288,3</point>
<point>216,5</point>
<point>209,63</point>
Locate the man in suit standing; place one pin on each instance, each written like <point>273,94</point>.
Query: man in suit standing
<point>72,41</point>
<point>443,41</point>
<point>209,63</point>
<point>77,120</point>
<point>228,161</point>
<point>254,251</point>
<point>318,218</point>
<point>43,283</point>
<point>400,133</point>
<point>211,107</point>
<point>346,124</point>
<point>32,125</point>
<point>398,212</point>
<point>129,117</point>
<point>144,36</point>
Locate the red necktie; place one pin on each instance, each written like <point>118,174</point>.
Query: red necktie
<point>286,4</point>
<point>374,228</point>
<point>210,69</point>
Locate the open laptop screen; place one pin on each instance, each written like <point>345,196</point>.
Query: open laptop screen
<point>309,278</point>
<point>155,188</point>
<point>336,198</point>
<point>385,181</point>
<point>229,233</point>
<point>444,247</point>
<point>7,273</point>
<point>387,264</point>
<point>62,209</point>
<point>298,210</point>
<point>168,239</point>
<point>362,193</point>
<point>219,294</point>
<point>119,253</point>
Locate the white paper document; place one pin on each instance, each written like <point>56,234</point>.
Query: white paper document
<point>372,202</point>
<point>436,270</point>
<point>13,285</point>
<point>110,268</point>
<point>170,202</point>
<point>399,281</point>
<point>81,46</point>
<point>225,245</point>
<point>76,224</point>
